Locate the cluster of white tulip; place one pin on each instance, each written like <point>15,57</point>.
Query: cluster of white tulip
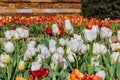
<point>17,34</point>
<point>5,58</point>
<point>30,51</point>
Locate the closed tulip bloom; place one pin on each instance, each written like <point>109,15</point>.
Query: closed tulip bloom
<point>35,66</point>
<point>95,29</point>
<point>55,29</point>
<point>103,49</point>
<point>21,65</point>
<point>9,47</point>
<point>26,33</point>
<point>114,56</point>
<point>89,35</point>
<point>71,57</point>
<point>68,25</point>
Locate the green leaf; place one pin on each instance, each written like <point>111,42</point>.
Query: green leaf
<point>69,65</point>
<point>118,71</point>
<point>3,73</point>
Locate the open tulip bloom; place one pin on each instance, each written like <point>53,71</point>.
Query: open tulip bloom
<point>62,49</point>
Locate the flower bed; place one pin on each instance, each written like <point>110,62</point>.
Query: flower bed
<point>62,48</point>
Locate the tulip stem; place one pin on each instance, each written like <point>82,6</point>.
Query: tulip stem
<point>76,63</point>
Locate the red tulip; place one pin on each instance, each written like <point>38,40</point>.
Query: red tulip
<point>48,31</point>
<point>60,33</point>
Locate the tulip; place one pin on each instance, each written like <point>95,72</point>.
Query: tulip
<point>68,25</point>
<point>2,65</point>
<point>60,50</point>
<point>115,56</point>
<point>75,45</point>
<point>9,47</point>
<point>48,31</point>
<point>103,49</point>
<point>89,35</point>
<point>105,32</point>
<point>63,63</point>
<point>21,65</point>
<point>101,73</point>
<point>83,48</point>
<point>19,78</point>
<point>55,29</point>
<point>55,58</point>
<point>96,48</point>
<point>35,66</point>
<point>62,41</point>
<point>8,35</point>
<point>68,50</point>
<point>71,57</point>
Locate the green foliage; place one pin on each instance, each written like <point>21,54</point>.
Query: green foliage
<point>101,8</point>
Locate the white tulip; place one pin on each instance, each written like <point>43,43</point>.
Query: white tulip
<point>60,50</point>
<point>20,32</point>
<point>105,32</point>
<point>52,43</point>
<point>26,33</point>
<point>71,57</point>
<point>46,54</point>
<point>78,37</point>
<point>75,45</point>
<point>39,58</point>
<point>101,73</point>
<point>2,65</point>
<point>35,66</point>
<point>95,29</point>
<point>52,49</point>
<point>96,48</point>
<point>103,49</point>
<point>89,35</point>
<point>63,63</point>
<point>52,65</point>
<point>83,48</point>
<point>62,41</point>
<point>12,33</point>
<point>27,55</point>
<point>113,46</point>
<point>9,47</point>
<point>16,35</point>
<point>68,25</point>
<point>115,56</point>
<point>55,29</point>
<point>7,35</point>
<point>95,63</point>
<point>55,58</point>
